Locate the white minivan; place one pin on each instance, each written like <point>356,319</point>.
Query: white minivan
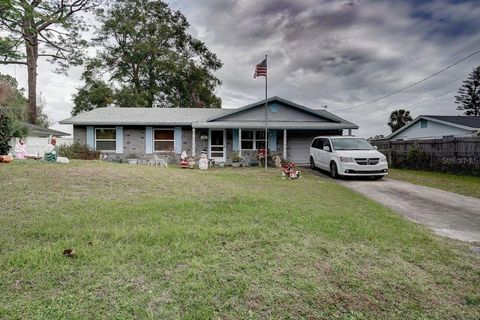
<point>347,156</point>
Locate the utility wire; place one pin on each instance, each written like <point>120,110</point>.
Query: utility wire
<point>411,85</point>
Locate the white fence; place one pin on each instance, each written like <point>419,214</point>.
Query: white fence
<point>36,145</point>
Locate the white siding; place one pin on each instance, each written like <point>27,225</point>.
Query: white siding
<point>433,130</point>
<point>37,145</point>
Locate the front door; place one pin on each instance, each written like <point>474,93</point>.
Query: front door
<point>216,145</point>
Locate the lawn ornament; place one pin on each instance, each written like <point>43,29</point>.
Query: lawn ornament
<point>184,160</point>
<point>278,161</point>
<point>162,163</point>
<point>191,163</point>
<point>203,162</point>
<point>289,171</point>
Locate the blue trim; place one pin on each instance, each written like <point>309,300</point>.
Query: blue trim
<point>178,140</point>
<point>235,136</point>
<point>90,137</point>
<point>148,140</point>
<point>272,140</point>
<point>119,138</point>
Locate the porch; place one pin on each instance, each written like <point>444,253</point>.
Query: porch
<point>221,143</point>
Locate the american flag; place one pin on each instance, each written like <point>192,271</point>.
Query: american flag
<point>261,69</point>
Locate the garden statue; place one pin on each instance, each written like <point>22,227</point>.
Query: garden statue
<point>278,161</point>
<point>203,162</point>
<point>288,171</point>
<point>191,163</point>
<point>184,160</point>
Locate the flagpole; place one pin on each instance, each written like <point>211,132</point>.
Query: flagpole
<point>266,117</point>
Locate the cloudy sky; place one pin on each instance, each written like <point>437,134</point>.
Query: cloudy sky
<point>335,53</point>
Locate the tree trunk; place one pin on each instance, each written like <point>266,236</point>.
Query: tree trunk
<point>31,46</point>
<point>32,60</point>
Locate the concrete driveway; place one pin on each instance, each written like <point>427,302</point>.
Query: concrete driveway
<point>447,214</point>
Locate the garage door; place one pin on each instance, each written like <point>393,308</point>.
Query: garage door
<point>298,146</point>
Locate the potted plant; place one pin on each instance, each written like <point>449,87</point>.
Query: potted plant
<point>132,158</point>
<point>236,160</point>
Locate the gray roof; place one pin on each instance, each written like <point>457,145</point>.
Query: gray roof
<point>43,131</point>
<point>467,121</point>
<point>203,118</point>
<point>143,116</point>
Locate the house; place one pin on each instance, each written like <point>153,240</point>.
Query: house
<point>437,127</point>
<point>166,132</point>
<point>38,137</point>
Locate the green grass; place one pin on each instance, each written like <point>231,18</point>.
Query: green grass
<point>223,244</point>
<point>466,185</point>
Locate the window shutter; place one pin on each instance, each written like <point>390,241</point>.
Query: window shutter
<point>119,138</point>
<point>235,137</point>
<point>272,140</point>
<point>148,140</point>
<point>178,140</point>
<point>90,137</point>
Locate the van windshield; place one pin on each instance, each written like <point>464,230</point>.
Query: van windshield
<point>351,144</point>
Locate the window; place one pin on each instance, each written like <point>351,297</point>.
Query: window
<point>163,140</point>
<point>318,143</point>
<point>253,140</point>
<point>259,139</point>
<point>326,143</point>
<point>423,123</point>
<point>105,139</point>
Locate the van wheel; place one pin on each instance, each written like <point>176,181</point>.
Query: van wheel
<point>312,163</point>
<point>333,170</point>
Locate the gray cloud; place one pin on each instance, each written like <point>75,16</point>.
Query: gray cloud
<point>325,52</point>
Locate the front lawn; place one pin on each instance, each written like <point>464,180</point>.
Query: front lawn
<point>223,244</point>
<point>466,185</point>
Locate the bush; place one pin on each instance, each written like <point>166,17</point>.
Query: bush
<point>78,151</point>
<point>418,159</point>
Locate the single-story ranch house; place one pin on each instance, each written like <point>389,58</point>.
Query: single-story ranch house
<point>426,127</point>
<point>166,132</point>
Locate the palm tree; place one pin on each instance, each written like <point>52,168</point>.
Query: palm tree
<point>398,119</point>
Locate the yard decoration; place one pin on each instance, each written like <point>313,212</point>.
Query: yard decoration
<point>236,160</point>
<point>203,162</point>
<point>289,172</point>
<point>132,158</point>
<point>278,161</point>
<point>184,160</point>
<point>6,159</point>
<point>191,163</point>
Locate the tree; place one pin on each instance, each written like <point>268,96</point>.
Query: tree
<point>36,29</point>
<point>95,94</point>
<point>398,119</point>
<point>13,100</point>
<point>150,58</point>
<point>468,98</point>
<point>12,110</point>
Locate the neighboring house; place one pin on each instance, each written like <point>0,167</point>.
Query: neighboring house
<point>38,137</point>
<point>166,132</point>
<point>437,127</point>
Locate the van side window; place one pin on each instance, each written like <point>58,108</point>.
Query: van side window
<point>318,143</point>
<point>326,143</point>
<point>314,143</point>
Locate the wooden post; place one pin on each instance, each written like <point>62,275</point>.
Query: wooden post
<point>284,143</point>
<point>193,142</point>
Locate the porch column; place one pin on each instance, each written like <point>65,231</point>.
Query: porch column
<point>239,142</point>
<point>349,132</point>
<point>193,142</point>
<point>284,143</point>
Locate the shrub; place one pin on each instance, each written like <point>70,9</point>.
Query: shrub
<point>78,151</point>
